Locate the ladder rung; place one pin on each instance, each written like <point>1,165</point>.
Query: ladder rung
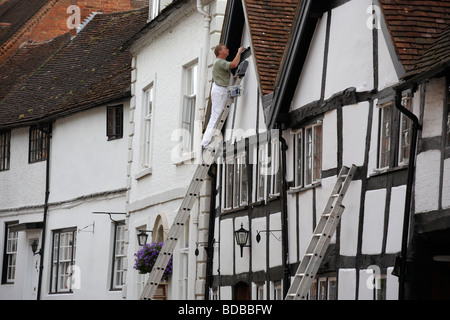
<point>318,235</point>
<point>336,195</point>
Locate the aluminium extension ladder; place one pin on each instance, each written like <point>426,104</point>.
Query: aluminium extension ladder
<point>209,155</point>
<point>321,237</point>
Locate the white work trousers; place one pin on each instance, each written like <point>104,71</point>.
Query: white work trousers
<point>219,97</point>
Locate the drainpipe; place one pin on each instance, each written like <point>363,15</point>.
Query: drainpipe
<point>204,58</point>
<point>212,216</point>
<point>44,220</point>
<point>409,186</point>
<point>284,218</point>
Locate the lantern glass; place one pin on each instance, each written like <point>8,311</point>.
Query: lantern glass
<point>241,236</point>
<point>142,238</point>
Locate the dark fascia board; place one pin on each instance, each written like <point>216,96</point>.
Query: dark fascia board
<point>290,63</point>
<point>27,226</point>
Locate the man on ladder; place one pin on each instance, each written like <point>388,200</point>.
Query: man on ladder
<point>219,93</point>
<point>221,103</point>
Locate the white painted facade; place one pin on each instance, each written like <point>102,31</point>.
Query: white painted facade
<point>363,231</point>
<point>87,174</point>
<point>349,64</point>
<point>183,39</point>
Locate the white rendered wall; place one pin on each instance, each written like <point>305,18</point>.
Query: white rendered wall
<point>434,107</point>
<point>83,162</point>
<point>24,183</point>
<point>350,218</point>
<point>259,250</point>
<point>347,284</point>
<point>446,185</point>
<point>310,82</point>
<point>161,63</point>
<point>350,62</point>
<point>354,133</point>
<point>329,159</point>
<point>275,250</point>
<point>427,181</point>
<point>373,221</point>
<point>387,76</point>
<point>396,214</point>
<point>94,247</point>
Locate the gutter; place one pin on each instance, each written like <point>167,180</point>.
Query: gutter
<point>204,59</point>
<point>210,248</point>
<point>409,186</point>
<point>44,220</point>
<point>284,218</point>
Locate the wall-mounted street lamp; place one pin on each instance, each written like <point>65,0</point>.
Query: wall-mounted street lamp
<point>241,237</point>
<point>34,247</point>
<point>143,236</point>
<point>258,234</point>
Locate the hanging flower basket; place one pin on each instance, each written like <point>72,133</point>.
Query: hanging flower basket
<point>146,257</point>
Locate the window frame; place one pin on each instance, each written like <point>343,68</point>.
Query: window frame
<point>118,258</point>
<point>147,125</point>
<point>308,155</point>
<point>261,171</point>
<point>235,176</point>
<point>183,280</point>
<point>275,168</point>
<point>5,150</point>
<point>190,90</point>
<point>7,266</point>
<point>38,142</point>
<point>321,288</point>
<point>405,121</point>
<point>54,287</point>
<point>385,137</point>
<point>114,122</point>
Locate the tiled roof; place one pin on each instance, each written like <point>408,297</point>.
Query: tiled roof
<point>26,60</point>
<point>270,26</point>
<point>414,26</point>
<point>90,70</point>
<point>437,55</point>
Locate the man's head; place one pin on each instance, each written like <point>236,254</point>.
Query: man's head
<point>221,51</point>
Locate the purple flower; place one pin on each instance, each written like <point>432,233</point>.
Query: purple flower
<point>147,257</point>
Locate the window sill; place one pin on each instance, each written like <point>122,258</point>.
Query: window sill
<point>293,190</point>
<point>228,210</point>
<point>143,173</point>
<point>379,172</point>
<point>189,156</point>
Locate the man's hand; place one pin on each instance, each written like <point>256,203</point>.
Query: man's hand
<point>237,59</point>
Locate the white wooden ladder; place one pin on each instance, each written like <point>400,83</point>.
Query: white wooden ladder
<point>321,237</point>
<point>209,155</point>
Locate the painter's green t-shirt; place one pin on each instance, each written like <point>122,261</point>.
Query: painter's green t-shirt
<point>221,72</point>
